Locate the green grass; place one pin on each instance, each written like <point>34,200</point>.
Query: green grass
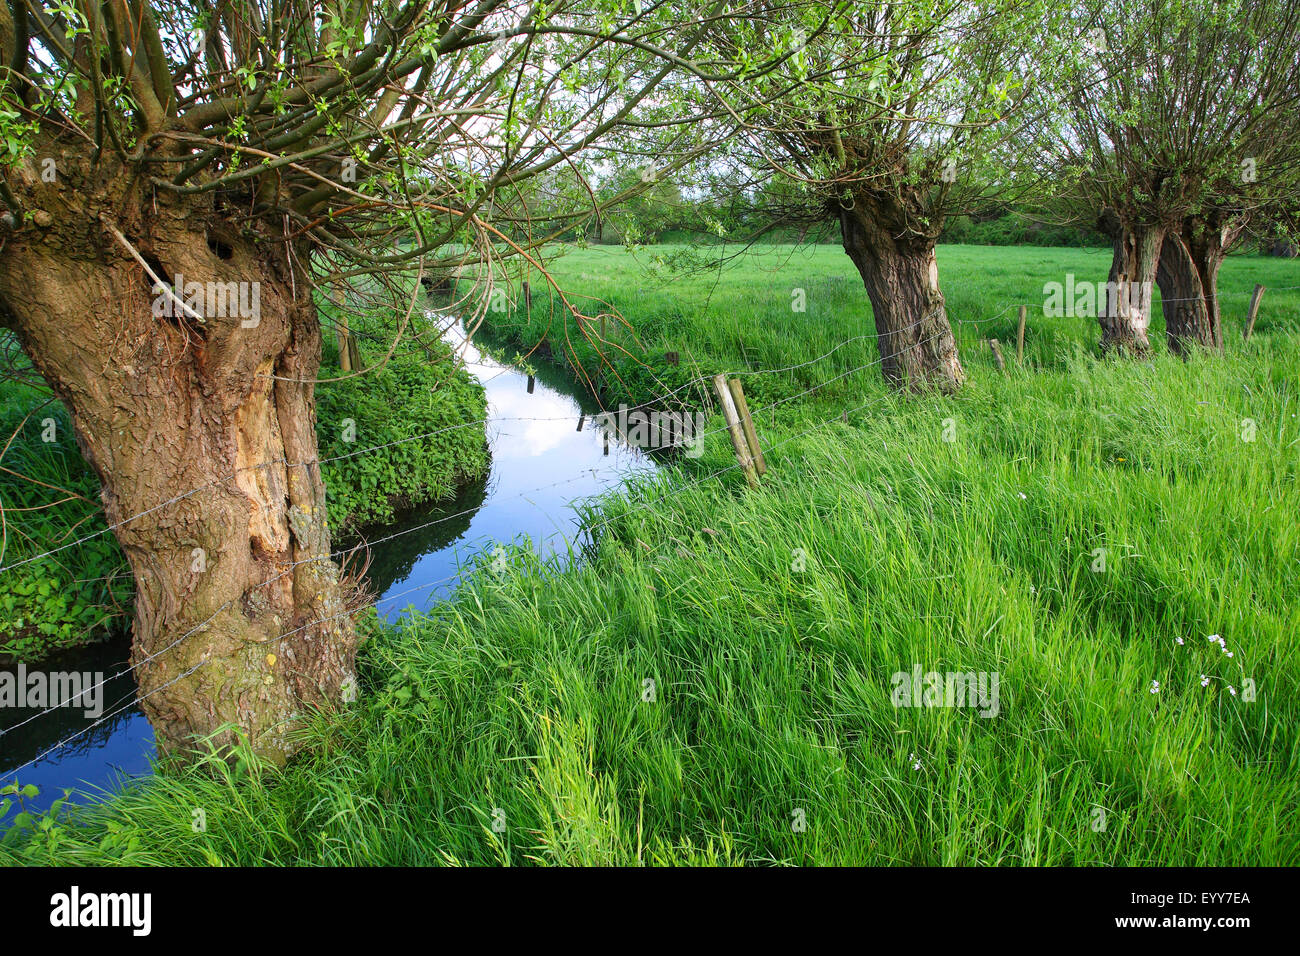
<point>740,317</point>
<point>771,621</point>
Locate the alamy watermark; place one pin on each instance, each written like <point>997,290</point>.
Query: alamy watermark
<point>212,300</point>
<point>656,430</point>
<point>128,910</point>
<point>977,690</point>
<point>46,690</point>
<point>1073,299</point>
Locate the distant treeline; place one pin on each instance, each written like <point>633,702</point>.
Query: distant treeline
<point>1010,229</point>
<point>1015,229</point>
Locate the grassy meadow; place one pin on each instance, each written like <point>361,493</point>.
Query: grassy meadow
<point>712,683</point>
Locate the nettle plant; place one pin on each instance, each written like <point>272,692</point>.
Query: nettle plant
<point>347,147</point>
<point>357,414</point>
<point>50,600</point>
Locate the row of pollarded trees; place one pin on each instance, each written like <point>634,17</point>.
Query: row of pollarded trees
<point>1172,124</point>
<point>1182,128</point>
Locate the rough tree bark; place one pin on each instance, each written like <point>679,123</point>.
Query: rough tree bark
<point>901,277</point>
<point>240,617</point>
<point>1124,311</point>
<point>1188,276</point>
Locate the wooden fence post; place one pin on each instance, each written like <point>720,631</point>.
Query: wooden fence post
<point>1254,310</point>
<point>997,354</point>
<point>747,423</point>
<point>1020,336</point>
<point>734,428</point>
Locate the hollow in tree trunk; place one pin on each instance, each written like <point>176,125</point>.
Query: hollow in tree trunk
<point>203,436</point>
<point>901,277</point>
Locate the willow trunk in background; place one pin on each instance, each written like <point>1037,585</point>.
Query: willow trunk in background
<point>901,276</point>
<point>1124,312</point>
<point>1189,281</point>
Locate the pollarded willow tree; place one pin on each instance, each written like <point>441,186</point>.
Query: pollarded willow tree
<point>1179,128</point>
<point>890,120</point>
<point>182,177</point>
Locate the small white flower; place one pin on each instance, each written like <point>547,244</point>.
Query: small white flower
<point>1179,640</point>
<point>1023,496</point>
<point>1032,589</point>
<point>916,765</point>
<point>1232,690</point>
<point>1155,687</point>
<point>1205,681</point>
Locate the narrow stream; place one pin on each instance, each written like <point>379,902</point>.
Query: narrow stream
<point>542,463</point>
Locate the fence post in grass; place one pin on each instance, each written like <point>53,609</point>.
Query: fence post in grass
<point>1020,336</point>
<point>734,429</point>
<point>1254,310</point>
<point>997,354</point>
<point>747,424</point>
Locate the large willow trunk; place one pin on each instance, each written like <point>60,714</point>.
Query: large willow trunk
<point>1124,311</point>
<point>901,276</point>
<point>1188,277</point>
<point>203,435</point>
